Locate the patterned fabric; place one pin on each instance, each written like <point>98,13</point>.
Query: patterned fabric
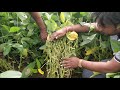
<point>117,55</point>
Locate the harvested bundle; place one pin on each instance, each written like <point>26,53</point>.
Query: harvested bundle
<point>56,51</point>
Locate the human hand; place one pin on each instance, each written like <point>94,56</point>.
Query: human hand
<point>72,62</point>
<point>43,35</point>
<point>58,34</point>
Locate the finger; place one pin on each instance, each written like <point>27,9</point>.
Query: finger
<point>64,62</point>
<point>54,36</point>
<point>67,67</point>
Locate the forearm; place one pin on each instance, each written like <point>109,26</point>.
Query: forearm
<point>103,67</point>
<point>36,16</point>
<point>82,28</point>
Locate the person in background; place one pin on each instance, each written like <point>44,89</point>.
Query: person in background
<point>38,19</point>
<point>105,23</point>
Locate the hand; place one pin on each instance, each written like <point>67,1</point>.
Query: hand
<point>72,62</point>
<point>43,35</point>
<point>58,34</point>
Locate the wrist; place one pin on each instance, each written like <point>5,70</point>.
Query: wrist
<point>80,63</point>
<point>68,29</point>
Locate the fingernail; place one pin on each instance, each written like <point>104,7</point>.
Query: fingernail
<point>56,37</point>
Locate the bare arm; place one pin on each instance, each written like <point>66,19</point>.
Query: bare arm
<point>76,28</point>
<point>82,28</point>
<point>104,67</point>
<point>36,16</point>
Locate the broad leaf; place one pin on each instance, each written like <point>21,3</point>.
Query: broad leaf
<point>62,17</point>
<point>7,49</point>
<point>42,47</point>
<point>27,71</point>
<point>87,39</point>
<point>115,45</point>
<point>11,74</point>
<point>38,63</point>
<point>14,29</point>
<point>18,46</point>
<point>21,15</point>
<point>51,25</point>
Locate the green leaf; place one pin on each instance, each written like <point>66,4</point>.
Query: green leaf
<point>25,52</point>
<point>30,27</point>
<point>30,33</point>
<point>27,71</point>
<point>48,16</point>
<point>62,17</point>
<point>115,45</point>
<point>27,39</point>
<point>34,70</point>
<point>21,15</point>
<point>2,47</point>
<point>76,14</point>
<point>11,74</point>
<point>7,49</point>
<point>117,76</point>
<point>6,27</point>
<point>18,46</point>
<point>38,63</point>
<point>91,37</point>
<point>51,25</point>
<point>108,75</point>
<point>83,13</point>
<point>14,29</point>
<point>104,44</point>
<point>87,39</point>
<point>42,47</point>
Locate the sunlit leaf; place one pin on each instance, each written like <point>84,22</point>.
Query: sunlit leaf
<point>25,52</point>
<point>91,51</point>
<point>38,63</point>
<point>62,17</point>
<point>14,29</point>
